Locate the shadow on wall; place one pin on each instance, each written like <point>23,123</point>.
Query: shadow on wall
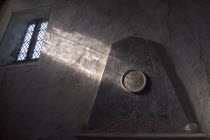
<point>48,101</point>
<point>106,20</point>
<point>177,83</point>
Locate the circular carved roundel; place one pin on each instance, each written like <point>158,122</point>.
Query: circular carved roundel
<point>134,81</point>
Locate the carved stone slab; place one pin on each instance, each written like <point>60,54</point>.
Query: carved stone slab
<point>115,99</point>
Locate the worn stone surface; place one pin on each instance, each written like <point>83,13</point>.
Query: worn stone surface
<point>54,97</point>
<point>159,101</point>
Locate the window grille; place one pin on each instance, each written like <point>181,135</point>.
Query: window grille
<point>33,40</point>
<point>26,42</point>
<point>39,41</point>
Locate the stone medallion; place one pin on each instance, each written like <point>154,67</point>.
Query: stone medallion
<point>134,81</point>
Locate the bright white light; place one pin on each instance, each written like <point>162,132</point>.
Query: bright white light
<point>80,52</point>
<point>26,42</point>
<point>39,41</point>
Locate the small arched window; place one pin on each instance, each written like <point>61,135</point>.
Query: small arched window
<point>33,40</point>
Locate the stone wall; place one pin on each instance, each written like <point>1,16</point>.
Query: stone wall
<point>53,99</point>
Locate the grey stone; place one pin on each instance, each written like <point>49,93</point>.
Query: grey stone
<point>53,99</point>
<point>159,101</point>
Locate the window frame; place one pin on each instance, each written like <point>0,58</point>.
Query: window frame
<point>32,43</point>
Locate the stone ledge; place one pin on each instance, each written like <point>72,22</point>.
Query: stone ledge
<point>105,136</point>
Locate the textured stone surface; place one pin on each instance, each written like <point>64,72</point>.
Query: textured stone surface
<point>54,97</point>
<point>158,102</point>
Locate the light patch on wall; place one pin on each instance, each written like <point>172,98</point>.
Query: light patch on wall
<point>77,51</point>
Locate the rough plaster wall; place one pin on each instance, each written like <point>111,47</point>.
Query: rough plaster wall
<point>5,15</point>
<point>53,99</point>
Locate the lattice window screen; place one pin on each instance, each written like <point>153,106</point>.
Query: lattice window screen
<point>40,39</point>
<point>26,42</point>
<point>35,33</point>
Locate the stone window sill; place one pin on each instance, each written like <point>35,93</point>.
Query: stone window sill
<point>16,64</point>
